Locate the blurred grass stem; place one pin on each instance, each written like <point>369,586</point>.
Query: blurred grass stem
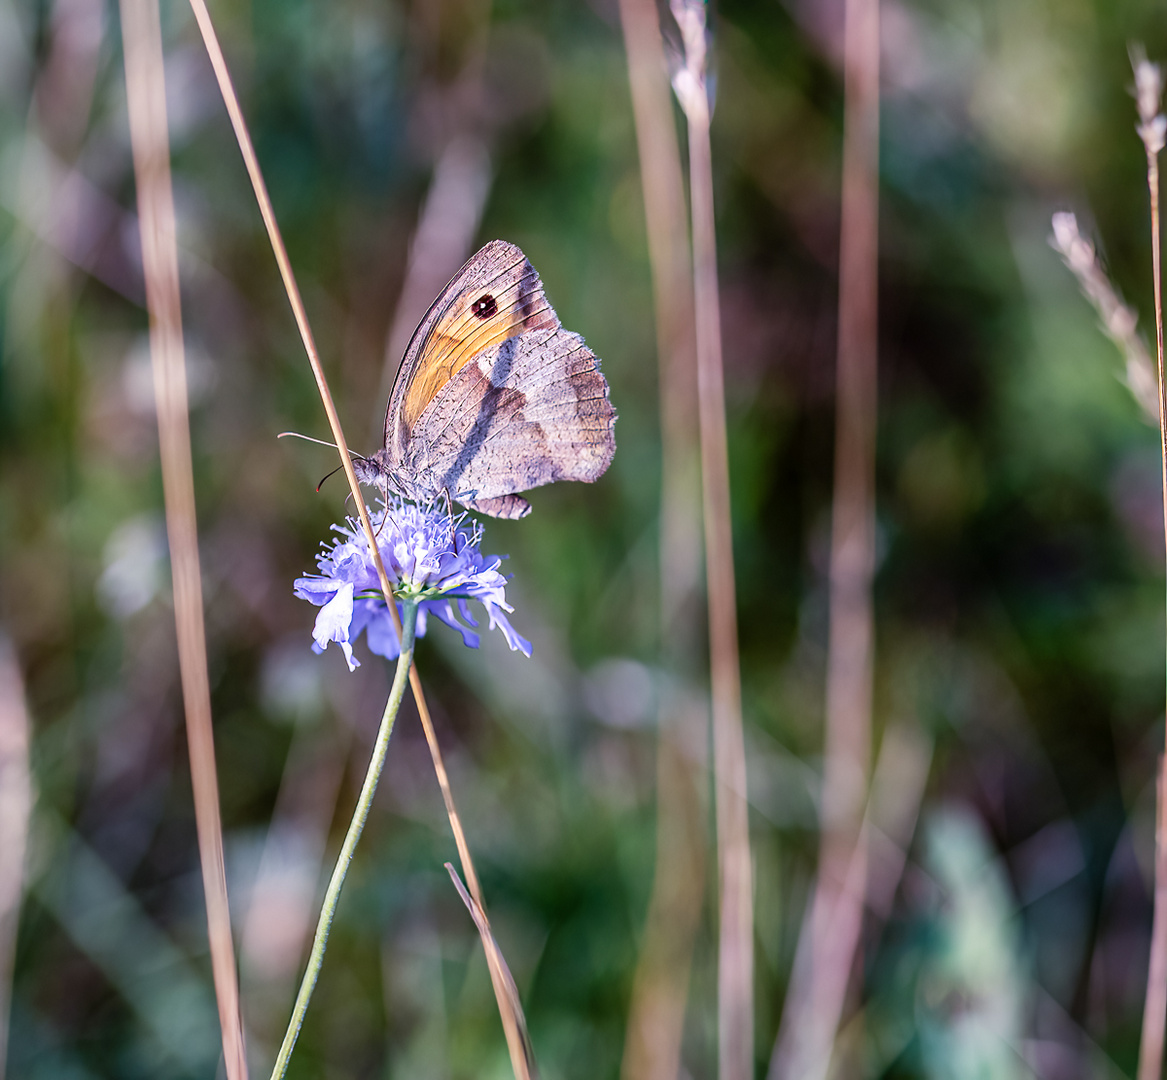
<point>355,828</point>
<point>1152,128</point>
<point>652,1045</point>
<point>735,975</point>
<point>15,808</point>
<point>149,138</point>
<point>510,1022</point>
<point>819,985</point>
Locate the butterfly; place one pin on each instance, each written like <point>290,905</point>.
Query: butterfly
<point>493,396</point>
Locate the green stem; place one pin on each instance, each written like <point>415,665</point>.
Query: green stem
<point>356,826</point>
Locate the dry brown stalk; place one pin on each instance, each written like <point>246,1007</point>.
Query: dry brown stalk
<point>1119,320</point>
<point>652,1046</point>
<point>146,99</point>
<point>483,924</point>
<point>735,975</point>
<point>511,1023</point>
<point>815,999</point>
<point>15,807</point>
<point>1155,1002</point>
<point>1152,129</point>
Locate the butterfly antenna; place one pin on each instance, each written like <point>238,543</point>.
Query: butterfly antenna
<point>320,442</point>
<point>306,438</point>
<point>333,473</point>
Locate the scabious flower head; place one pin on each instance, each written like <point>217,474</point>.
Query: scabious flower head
<point>432,558</point>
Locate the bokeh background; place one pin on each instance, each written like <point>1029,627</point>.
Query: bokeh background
<point>1019,593</point>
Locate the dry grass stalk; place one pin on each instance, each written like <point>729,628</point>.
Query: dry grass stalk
<point>815,999</point>
<point>735,976</point>
<point>1119,320</point>
<point>15,808</point>
<point>146,99</point>
<point>877,864</point>
<point>1152,129</point>
<point>652,1046</point>
<point>483,924</point>
<point>511,1022</point>
<point>1155,1002</point>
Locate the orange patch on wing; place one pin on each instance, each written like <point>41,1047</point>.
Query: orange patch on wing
<point>476,320</point>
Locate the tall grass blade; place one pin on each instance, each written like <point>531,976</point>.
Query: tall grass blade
<point>527,1065</point>
<point>146,98</point>
<point>735,952</point>
<point>815,999</point>
<point>1152,129</point>
<point>15,808</point>
<point>652,1045</point>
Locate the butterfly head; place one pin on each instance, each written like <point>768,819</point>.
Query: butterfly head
<point>376,472</point>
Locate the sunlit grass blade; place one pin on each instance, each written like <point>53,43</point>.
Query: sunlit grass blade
<point>815,999</point>
<point>146,99</point>
<point>15,808</point>
<point>652,1045</point>
<point>525,1067</point>
<point>735,952</point>
<point>1152,129</point>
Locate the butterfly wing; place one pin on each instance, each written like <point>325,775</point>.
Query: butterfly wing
<point>494,297</point>
<point>528,411</point>
<point>494,397</point>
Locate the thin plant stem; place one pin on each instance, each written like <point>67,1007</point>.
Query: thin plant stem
<point>149,138</point>
<point>831,930</point>
<point>1151,129</point>
<point>511,1025</point>
<point>15,811</point>
<point>656,1017</point>
<point>735,952</point>
<point>355,827</point>
<point>1155,1004</point>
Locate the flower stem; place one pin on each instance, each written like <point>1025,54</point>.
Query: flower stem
<point>355,828</point>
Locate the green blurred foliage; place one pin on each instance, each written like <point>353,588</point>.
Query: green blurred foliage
<point>1019,593</point>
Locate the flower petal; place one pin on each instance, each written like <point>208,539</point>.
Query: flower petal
<point>516,641</point>
<point>443,610</point>
<point>333,622</point>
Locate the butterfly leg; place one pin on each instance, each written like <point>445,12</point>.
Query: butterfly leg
<point>385,513</point>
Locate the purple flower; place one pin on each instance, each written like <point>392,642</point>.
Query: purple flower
<point>433,560</point>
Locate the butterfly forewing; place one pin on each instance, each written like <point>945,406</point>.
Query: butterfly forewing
<point>494,297</point>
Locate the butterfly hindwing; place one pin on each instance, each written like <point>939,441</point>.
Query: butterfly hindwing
<point>528,411</point>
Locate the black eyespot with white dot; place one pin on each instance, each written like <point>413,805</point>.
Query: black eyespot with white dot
<point>485,306</point>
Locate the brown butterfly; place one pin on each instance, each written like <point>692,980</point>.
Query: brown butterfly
<point>493,396</point>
